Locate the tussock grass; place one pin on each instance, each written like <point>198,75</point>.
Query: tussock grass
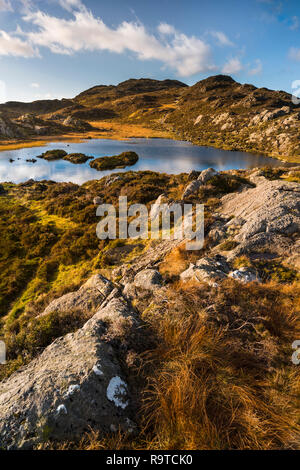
<point>221,385</point>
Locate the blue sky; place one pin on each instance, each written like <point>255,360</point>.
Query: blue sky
<point>57,48</point>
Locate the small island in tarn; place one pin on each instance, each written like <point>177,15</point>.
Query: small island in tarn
<point>115,161</point>
<point>77,158</point>
<point>58,154</point>
<point>53,155</point>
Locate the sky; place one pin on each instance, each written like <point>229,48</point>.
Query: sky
<point>58,48</point>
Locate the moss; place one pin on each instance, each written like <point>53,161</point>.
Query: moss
<point>116,161</point>
<point>242,261</point>
<point>228,245</point>
<point>276,271</point>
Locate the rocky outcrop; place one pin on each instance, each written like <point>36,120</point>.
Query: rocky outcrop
<point>218,111</point>
<point>88,298</point>
<point>115,161</point>
<point>207,269</point>
<point>206,175</point>
<point>7,129</point>
<point>245,275</point>
<point>78,382</point>
<point>202,178</point>
<point>191,188</point>
<point>148,279</point>
<point>97,201</point>
<point>269,216</point>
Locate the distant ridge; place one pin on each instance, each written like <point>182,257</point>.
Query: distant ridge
<point>216,111</point>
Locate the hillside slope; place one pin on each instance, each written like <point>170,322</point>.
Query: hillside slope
<point>175,349</point>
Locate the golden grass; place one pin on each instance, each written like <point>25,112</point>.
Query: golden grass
<point>212,390</point>
<point>61,223</point>
<point>103,130</point>
<point>121,131</point>
<point>177,261</point>
<point>16,145</point>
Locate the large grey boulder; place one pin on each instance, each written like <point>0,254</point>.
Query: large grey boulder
<point>88,298</point>
<point>207,269</point>
<point>270,215</point>
<point>191,188</point>
<point>78,382</point>
<point>148,279</point>
<point>206,175</point>
<point>156,207</point>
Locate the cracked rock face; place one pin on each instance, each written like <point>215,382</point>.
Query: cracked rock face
<point>273,206</point>
<point>76,383</point>
<point>269,215</point>
<point>88,298</point>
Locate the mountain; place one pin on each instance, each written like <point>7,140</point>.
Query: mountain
<point>217,111</point>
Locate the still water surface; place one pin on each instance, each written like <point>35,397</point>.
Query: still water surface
<point>163,155</point>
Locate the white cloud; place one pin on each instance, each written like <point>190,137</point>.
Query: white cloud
<point>222,39</point>
<point>5,5</point>
<point>294,54</point>
<point>71,5</point>
<point>10,45</point>
<point>232,66</point>
<point>165,28</point>
<point>256,70</point>
<point>188,55</point>
<point>35,85</point>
